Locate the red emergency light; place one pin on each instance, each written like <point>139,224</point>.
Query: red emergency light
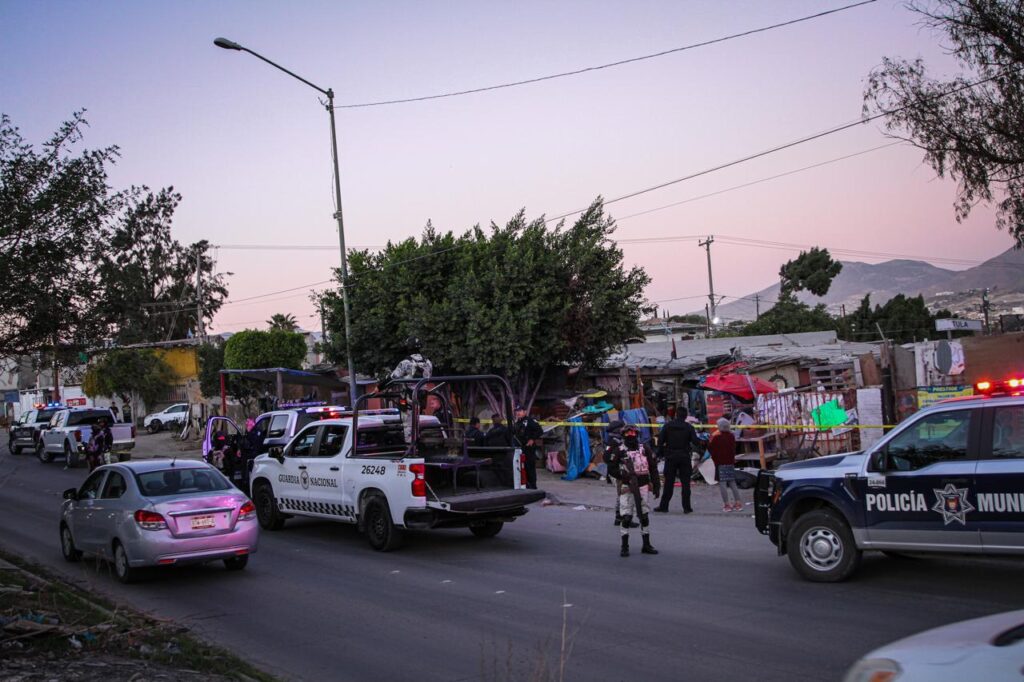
<point>1014,386</point>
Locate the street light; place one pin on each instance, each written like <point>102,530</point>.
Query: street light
<point>232,45</point>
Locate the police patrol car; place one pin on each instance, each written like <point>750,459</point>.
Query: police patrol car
<point>949,479</point>
<point>388,470</point>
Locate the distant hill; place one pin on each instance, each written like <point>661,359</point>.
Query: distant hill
<point>958,291</point>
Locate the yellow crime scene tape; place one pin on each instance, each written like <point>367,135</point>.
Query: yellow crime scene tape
<point>740,427</point>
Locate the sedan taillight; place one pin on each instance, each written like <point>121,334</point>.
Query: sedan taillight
<point>247,511</point>
<point>150,520</point>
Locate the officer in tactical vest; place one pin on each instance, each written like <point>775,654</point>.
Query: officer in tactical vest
<point>633,463</point>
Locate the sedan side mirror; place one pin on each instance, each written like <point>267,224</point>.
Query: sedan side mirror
<point>277,453</point>
<point>71,494</point>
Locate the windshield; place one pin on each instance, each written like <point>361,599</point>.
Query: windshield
<point>89,417</point>
<point>44,415</point>
<point>171,481</point>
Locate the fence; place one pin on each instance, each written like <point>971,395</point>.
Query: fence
<point>798,434</point>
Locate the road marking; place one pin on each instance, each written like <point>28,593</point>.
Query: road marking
<point>445,582</point>
<point>566,606</point>
<point>500,592</point>
<point>393,572</point>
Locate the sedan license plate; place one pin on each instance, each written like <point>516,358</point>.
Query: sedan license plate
<point>203,522</point>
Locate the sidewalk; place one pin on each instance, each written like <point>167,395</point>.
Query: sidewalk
<point>598,495</point>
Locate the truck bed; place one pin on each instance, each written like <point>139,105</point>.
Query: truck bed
<point>491,499</point>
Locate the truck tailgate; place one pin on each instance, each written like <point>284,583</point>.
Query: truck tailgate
<point>490,500</point>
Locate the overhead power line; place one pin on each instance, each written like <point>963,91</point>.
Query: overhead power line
<point>610,65</point>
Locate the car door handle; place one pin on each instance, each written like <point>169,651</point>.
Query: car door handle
<point>335,469</point>
<point>302,466</point>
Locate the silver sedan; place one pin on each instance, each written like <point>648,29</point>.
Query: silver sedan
<point>158,513</point>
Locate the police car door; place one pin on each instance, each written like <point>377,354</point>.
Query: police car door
<point>325,470</point>
<point>292,485</point>
<point>920,484</point>
<point>1000,480</point>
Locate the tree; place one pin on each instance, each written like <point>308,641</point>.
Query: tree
<point>55,208</point>
<point>130,374</point>
<point>251,349</point>
<point>791,316</point>
<point>511,300</point>
<point>901,319</point>
<point>283,322</point>
<point>149,279</point>
<point>811,271</point>
<point>971,127</point>
<point>211,362</point>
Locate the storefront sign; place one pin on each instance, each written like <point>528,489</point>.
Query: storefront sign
<point>934,394</point>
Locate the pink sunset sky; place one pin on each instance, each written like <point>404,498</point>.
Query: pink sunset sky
<point>248,147</point>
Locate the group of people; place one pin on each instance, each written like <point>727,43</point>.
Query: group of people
<point>633,465</point>
<point>526,431</point>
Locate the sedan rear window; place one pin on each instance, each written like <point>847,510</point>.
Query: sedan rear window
<point>171,481</point>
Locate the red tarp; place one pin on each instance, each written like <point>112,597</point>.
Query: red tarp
<point>743,386</point>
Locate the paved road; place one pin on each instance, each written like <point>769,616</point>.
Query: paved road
<point>716,604</point>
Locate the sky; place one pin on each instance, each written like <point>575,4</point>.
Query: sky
<point>249,148</point>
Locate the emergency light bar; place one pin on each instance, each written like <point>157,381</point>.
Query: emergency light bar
<point>312,403</point>
<point>1013,386</point>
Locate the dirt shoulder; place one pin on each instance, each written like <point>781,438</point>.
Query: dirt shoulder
<point>51,630</point>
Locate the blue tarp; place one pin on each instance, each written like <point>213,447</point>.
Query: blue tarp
<point>579,451</point>
<point>637,416</point>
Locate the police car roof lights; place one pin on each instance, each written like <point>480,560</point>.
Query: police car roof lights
<point>1013,386</point>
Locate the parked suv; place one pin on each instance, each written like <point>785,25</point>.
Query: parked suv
<point>175,415</point>
<point>950,479</point>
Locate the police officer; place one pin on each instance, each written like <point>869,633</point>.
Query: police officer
<point>415,364</point>
<point>636,468</point>
<point>529,434</point>
<point>678,439</point>
<point>498,441</point>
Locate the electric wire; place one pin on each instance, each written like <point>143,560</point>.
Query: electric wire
<point>610,65</point>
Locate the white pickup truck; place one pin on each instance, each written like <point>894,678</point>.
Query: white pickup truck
<point>389,471</point>
<point>70,430</point>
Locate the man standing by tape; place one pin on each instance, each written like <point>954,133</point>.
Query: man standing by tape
<point>531,436</point>
<point>635,465</point>
<point>677,440</point>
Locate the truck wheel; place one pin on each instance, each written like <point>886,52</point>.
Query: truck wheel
<point>155,426</point>
<point>70,457</point>
<point>122,569</point>
<point>487,530</point>
<point>44,456</point>
<point>821,547</point>
<point>15,449</point>
<point>267,513</point>
<point>380,529</point>
<point>67,545</point>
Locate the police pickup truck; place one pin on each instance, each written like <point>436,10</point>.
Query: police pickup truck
<point>389,470</point>
<point>950,479</point>
<point>25,432</point>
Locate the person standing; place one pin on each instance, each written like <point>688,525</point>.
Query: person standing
<point>97,451</point>
<point>114,411</point>
<point>530,436</point>
<point>723,452</point>
<point>636,468</point>
<point>498,441</point>
<point>474,436</point>
<point>677,440</point>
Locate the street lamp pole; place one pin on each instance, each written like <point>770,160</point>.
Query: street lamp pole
<point>329,92</point>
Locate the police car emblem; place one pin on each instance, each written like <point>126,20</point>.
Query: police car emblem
<point>304,480</point>
<point>952,503</point>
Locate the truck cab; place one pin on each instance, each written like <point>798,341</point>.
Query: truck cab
<point>950,479</point>
<point>393,469</point>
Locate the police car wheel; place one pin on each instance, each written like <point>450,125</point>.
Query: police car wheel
<point>380,529</point>
<point>44,456</point>
<point>821,547</point>
<point>70,458</point>
<point>15,449</point>
<point>487,530</point>
<point>267,513</point>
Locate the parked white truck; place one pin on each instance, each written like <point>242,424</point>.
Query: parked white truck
<point>394,469</point>
<point>69,432</point>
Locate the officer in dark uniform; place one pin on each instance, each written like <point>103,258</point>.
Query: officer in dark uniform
<point>677,440</point>
<point>529,434</point>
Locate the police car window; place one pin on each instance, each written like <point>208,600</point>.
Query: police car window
<point>1008,433</point>
<point>91,488</point>
<point>88,417</point>
<point>332,441</point>
<point>278,424</point>
<point>303,445</point>
<point>938,437</point>
<point>114,487</point>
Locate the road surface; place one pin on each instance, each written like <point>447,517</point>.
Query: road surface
<point>717,603</point>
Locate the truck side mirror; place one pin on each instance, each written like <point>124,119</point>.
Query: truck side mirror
<point>71,494</point>
<point>277,453</point>
<point>880,460</point>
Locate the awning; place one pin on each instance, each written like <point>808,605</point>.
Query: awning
<point>729,379</point>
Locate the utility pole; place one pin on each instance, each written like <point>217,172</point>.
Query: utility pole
<point>706,244</point>
<point>985,308</point>
<point>323,330</point>
<point>200,325</point>
<point>757,306</point>
<point>707,314</point>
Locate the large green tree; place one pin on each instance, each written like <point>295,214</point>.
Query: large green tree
<point>129,374</point>
<point>252,349</point>
<point>811,271</point>
<point>902,319</point>
<point>970,127</point>
<point>513,299</point>
<point>283,321</point>
<point>55,212</point>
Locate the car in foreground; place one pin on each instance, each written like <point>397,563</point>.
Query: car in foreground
<point>158,513</point>
<point>990,648</point>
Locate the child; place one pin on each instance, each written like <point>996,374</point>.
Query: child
<point>723,452</point>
